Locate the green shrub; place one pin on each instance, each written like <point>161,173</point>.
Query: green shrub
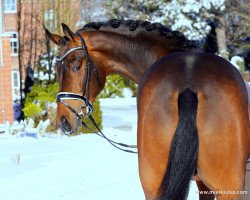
<point>32,110</point>
<point>114,87</point>
<point>37,101</point>
<point>38,106</point>
<point>42,94</point>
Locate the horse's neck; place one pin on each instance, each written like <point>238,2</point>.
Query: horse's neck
<point>124,56</point>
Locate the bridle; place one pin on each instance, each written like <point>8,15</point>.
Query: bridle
<point>61,96</point>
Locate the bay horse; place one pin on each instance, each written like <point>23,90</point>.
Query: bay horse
<point>192,106</point>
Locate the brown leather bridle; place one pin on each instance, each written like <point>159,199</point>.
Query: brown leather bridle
<point>61,96</point>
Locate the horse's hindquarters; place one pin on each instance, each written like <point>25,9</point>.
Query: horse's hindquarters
<point>222,121</point>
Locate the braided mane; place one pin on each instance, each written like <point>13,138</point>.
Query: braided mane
<point>128,27</point>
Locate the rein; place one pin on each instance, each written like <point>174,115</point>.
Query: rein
<point>61,96</point>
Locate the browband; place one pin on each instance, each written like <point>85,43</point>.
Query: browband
<point>67,53</point>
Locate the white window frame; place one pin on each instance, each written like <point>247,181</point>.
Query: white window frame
<point>15,84</point>
<point>12,41</point>
<point>13,73</point>
<point>50,19</point>
<point>10,3</point>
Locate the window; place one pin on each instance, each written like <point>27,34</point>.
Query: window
<point>15,85</point>
<point>9,6</point>
<point>14,43</point>
<point>15,79</point>
<point>50,19</point>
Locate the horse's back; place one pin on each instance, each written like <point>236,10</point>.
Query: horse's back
<point>197,71</point>
<point>222,114</point>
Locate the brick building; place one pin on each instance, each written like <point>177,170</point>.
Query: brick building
<point>32,16</point>
<point>9,75</point>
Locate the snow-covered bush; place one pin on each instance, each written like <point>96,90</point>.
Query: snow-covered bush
<point>45,68</point>
<point>189,16</point>
<point>238,62</point>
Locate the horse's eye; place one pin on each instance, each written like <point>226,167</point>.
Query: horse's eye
<point>76,68</point>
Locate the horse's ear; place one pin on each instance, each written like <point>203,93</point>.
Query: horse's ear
<point>68,33</point>
<point>53,37</point>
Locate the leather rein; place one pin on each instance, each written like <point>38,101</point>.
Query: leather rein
<point>62,96</point>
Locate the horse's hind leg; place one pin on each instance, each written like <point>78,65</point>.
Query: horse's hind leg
<point>204,191</point>
<point>223,146</point>
<point>156,128</point>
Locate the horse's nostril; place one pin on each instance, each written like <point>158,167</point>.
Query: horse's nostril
<point>65,125</point>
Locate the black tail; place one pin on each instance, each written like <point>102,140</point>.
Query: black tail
<point>183,152</point>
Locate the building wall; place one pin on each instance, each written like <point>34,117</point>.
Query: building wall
<point>10,22</point>
<point>6,103</point>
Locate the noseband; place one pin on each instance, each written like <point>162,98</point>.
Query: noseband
<point>62,96</point>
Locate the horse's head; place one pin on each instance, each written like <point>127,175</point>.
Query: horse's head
<point>80,79</point>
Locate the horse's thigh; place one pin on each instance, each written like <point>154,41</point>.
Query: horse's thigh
<point>220,169</point>
<point>223,147</point>
<point>153,158</point>
<point>156,128</point>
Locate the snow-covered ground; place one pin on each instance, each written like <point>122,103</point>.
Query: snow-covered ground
<point>83,167</point>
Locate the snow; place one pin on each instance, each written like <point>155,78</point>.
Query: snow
<point>235,60</point>
<point>43,76</point>
<point>127,93</point>
<point>80,167</point>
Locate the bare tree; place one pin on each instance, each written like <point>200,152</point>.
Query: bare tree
<point>19,11</point>
<point>31,17</point>
<point>220,29</point>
